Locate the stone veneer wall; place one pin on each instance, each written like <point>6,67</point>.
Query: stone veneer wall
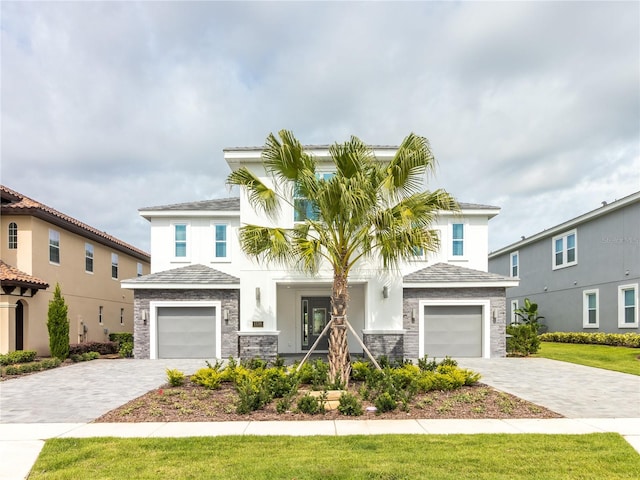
<point>230,300</point>
<point>498,305</point>
<point>258,346</point>
<point>390,345</point>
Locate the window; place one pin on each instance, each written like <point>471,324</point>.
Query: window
<point>100,310</point>
<point>458,240</point>
<point>88,258</point>
<point>628,306</point>
<point>590,309</point>
<point>220,233</point>
<point>514,307</point>
<point>180,240</point>
<point>114,265</point>
<point>122,316</point>
<point>565,250</point>
<point>13,235</point>
<point>304,208</point>
<point>515,261</point>
<point>54,246</point>
<point>139,269</point>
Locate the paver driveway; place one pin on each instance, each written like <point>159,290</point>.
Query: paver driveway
<point>84,391</point>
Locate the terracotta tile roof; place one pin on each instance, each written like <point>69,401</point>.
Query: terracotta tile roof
<point>14,203</point>
<point>12,276</point>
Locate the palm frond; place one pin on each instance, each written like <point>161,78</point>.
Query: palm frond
<point>272,245</point>
<point>286,159</point>
<point>404,174</point>
<point>261,197</point>
<point>351,157</point>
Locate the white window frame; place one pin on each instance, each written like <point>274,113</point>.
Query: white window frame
<point>514,306</point>
<point>54,236</point>
<point>515,255</point>
<point>585,308</point>
<point>139,270</point>
<point>12,236</point>
<point>564,237</point>
<point>187,241</point>
<point>115,263</point>
<point>227,257</point>
<point>89,253</point>
<point>621,306</point>
<point>465,233</point>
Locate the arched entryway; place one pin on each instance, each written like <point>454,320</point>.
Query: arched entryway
<point>19,325</point>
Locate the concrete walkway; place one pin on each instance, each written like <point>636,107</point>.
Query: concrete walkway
<point>61,402</point>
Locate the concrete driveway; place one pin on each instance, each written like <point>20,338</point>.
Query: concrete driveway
<point>82,392</point>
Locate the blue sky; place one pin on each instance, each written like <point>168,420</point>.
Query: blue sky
<point>108,107</point>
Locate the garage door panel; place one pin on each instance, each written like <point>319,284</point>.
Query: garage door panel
<point>186,332</point>
<point>453,330</point>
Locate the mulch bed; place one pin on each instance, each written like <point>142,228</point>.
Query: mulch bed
<point>193,403</point>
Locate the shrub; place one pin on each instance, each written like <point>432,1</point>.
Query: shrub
<point>349,405</point>
<point>103,348</point>
<point>175,377</point>
<point>385,403</point>
<point>254,363</point>
<point>252,394</point>
<point>311,404</point>
<point>315,374</point>
<point>427,365</point>
<point>631,340</point>
<point>84,357</point>
<point>18,356</point>
<point>360,370</point>
<point>279,383</point>
<point>58,325</point>
<point>524,339</point>
<point>208,378</point>
<point>121,337</point>
<point>126,350</point>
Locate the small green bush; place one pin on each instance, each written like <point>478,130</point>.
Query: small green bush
<point>103,348</point>
<point>360,370</point>
<point>279,382</point>
<point>208,378</point>
<point>315,374</point>
<point>175,377</point>
<point>350,405</point>
<point>524,339</point>
<point>427,365</point>
<point>252,394</point>
<point>84,357</point>
<point>631,340</point>
<point>310,404</point>
<point>18,356</point>
<point>254,363</point>
<point>121,337</point>
<point>385,403</point>
<point>126,350</point>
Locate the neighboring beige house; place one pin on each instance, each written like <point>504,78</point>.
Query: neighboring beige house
<point>41,247</point>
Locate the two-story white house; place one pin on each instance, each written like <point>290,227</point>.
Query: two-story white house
<point>205,298</point>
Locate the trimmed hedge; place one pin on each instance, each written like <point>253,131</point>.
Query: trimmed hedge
<point>19,356</point>
<point>613,339</point>
<point>103,348</point>
<point>21,369</point>
<point>121,337</point>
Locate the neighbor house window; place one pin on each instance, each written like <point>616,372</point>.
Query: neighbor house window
<point>565,250</point>
<point>180,240</point>
<point>628,306</point>
<point>100,311</point>
<point>114,265</point>
<point>515,264</point>
<point>590,309</point>
<point>13,235</point>
<point>88,257</point>
<point>139,269</point>
<point>304,208</point>
<point>514,316</point>
<point>458,239</point>
<point>122,316</point>
<point>220,233</point>
<point>54,246</point>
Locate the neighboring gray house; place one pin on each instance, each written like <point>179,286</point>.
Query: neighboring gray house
<point>583,273</point>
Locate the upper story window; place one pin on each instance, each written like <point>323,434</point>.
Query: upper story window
<point>139,269</point>
<point>590,310</point>
<point>457,239</point>
<point>88,257</point>
<point>180,240</point>
<point>13,235</point>
<point>114,265</point>
<point>565,250</point>
<point>220,234</point>
<point>303,208</point>
<point>100,312</point>
<point>122,316</point>
<point>54,246</point>
<point>628,306</point>
<point>515,264</point>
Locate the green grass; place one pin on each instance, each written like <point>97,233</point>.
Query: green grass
<point>377,457</point>
<point>619,359</point>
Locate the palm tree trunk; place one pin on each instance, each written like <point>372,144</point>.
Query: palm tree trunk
<point>339,361</point>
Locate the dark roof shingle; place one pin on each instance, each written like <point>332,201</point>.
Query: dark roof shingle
<point>447,273</point>
<point>191,274</point>
<point>217,204</point>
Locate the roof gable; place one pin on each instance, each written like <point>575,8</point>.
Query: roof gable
<point>197,276</point>
<point>446,275</point>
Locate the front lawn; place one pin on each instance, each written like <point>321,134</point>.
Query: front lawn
<point>491,457</point>
<point>619,359</point>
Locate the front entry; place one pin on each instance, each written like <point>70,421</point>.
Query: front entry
<point>19,326</point>
<point>316,313</point>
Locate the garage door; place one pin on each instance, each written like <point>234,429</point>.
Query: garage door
<point>186,332</point>
<point>453,330</point>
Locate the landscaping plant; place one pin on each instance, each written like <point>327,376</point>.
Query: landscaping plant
<point>58,325</point>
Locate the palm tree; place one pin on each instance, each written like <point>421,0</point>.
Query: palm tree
<point>368,209</point>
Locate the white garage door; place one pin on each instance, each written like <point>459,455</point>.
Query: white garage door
<point>453,330</point>
<point>186,332</point>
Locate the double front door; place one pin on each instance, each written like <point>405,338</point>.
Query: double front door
<point>316,313</point>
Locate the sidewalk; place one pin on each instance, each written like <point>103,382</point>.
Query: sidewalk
<point>22,442</point>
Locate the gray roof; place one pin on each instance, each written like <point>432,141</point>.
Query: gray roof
<point>476,206</point>
<point>191,274</point>
<point>447,273</point>
<point>216,204</point>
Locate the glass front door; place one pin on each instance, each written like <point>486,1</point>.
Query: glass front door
<point>316,313</point>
